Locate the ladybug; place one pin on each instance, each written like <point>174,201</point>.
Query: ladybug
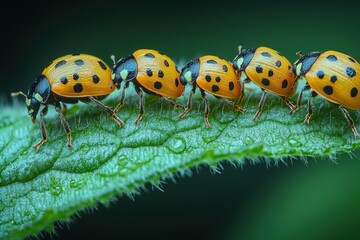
<point>268,69</point>
<point>150,71</point>
<point>215,76</point>
<point>69,79</point>
<point>333,75</point>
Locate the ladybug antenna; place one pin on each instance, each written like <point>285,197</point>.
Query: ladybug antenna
<point>239,48</point>
<point>18,94</point>
<point>299,53</point>
<point>113,59</point>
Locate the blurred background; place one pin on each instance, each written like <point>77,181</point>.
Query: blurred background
<point>319,200</point>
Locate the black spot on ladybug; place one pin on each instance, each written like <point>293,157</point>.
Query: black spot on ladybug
<point>351,59</point>
<point>158,85</point>
<point>218,79</point>
<point>266,54</point>
<point>332,58</point>
<point>289,67</point>
<point>63,80</point>
<point>333,78</point>
<point>284,83</point>
<point>160,74</point>
<point>225,68</point>
<point>176,82</point>
<point>149,72</point>
<point>78,88</point>
<point>102,65</point>
<point>75,76</point>
<point>211,61</point>
<point>350,72</point>
<point>320,74</point>
<point>354,92</point>
<point>231,86</point>
<point>265,82</point>
<point>328,90</point>
<point>79,62</point>
<point>95,78</point>
<point>208,77</point>
<point>166,63</point>
<point>259,69</point>
<point>59,64</point>
<point>270,73</point>
<point>215,88</point>
<point>149,55</point>
<point>278,63</point>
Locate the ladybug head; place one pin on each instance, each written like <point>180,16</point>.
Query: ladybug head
<point>304,63</point>
<point>38,94</point>
<point>190,72</point>
<point>124,70</point>
<point>242,60</point>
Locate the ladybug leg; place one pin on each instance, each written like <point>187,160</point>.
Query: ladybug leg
<point>171,103</point>
<point>290,104</point>
<point>42,128</point>
<point>64,123</point>
<point>236,105</point>
<point>207,108</point>
<point>233,105</point>
<point>245,81</point>
<point>298,101</point>
<point>260,106</point>
<point>108,111</point>
<point>122,98</point>
<point>350,121</point>
<point>141,105</point>
<point>310,111</point>
<point>64,109</point>
<point>189,103</point>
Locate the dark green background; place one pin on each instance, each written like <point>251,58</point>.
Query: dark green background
<point>318,201</point>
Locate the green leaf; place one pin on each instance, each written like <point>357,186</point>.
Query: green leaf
<point>38,188</point>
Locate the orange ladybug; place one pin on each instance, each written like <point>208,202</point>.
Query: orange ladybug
<point>268,69</point>
<point>150,71</point>
<point>213,75</point>
<point>69,79</point>
<point>333,75</point>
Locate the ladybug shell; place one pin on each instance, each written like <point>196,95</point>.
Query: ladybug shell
<point>271,71</point>
<point>336,77</point>
<point>79,75</point>
<point>218,77</point>
<point>158,73</point>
